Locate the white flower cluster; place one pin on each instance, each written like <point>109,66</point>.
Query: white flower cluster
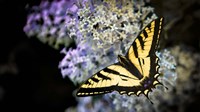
<point>109,21</point>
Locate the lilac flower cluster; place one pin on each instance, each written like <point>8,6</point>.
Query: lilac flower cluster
<point>48,21</point>
<point>109,21</point>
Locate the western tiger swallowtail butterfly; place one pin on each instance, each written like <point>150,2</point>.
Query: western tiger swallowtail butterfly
<point>135,73</point>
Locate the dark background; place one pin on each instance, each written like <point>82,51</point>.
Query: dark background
<point>29,76</point>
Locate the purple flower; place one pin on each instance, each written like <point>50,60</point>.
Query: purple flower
<point>48,21</point>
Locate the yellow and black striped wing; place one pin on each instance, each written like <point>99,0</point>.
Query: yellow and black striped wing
<point>142,55</point>
<point>113,77</point>
<point>146,42</point>
<point>142,51</point>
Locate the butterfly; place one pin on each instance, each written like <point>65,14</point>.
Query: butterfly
<point>135,73</point>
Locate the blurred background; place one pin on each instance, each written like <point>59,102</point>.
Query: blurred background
<point>29,76</point>
<point>31,81</point>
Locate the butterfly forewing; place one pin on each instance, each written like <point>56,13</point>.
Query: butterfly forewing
<point>107,80</point>
<point>142,51</point>
<point>146,43</point>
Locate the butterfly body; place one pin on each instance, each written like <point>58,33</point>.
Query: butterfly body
<point>135,73</point>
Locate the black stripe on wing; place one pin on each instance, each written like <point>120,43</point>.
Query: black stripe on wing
<point>156,36</point>
<point>134,50</point>
<point>156,29</point>
<point>141,42</point>
<point>103,76</point>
